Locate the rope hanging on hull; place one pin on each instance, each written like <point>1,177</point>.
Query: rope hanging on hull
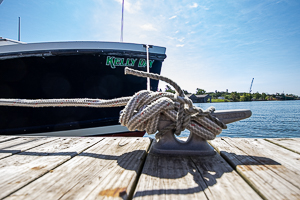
<point>143,110</point>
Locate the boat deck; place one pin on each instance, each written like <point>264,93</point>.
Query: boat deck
<point>121,168</point>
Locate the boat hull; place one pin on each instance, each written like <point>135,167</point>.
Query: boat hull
<point>73,73</point>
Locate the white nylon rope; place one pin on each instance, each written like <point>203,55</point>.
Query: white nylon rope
<point>143,110</point>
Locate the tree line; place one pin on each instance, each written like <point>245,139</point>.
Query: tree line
<point>240,96</point>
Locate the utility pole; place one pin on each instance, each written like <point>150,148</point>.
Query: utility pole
<point>19,33</point>
<point>121,39</point>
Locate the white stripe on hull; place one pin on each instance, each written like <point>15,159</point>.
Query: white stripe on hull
<point>78,45</point>
<point>105,130</point>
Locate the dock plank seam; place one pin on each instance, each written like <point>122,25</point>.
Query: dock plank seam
<point>238,172</point>
<point>201,175</point>
<point>15,153</point>
<point>138,175</point>
<point>247,179</point>
<point>8,139</point>
<point>224,157</point>
<point>282,146</point>
<point>270,171</point>
<point>50,170</point>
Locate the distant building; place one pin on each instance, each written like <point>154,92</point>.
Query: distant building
<point>221,97</point>
<point>199,98</point>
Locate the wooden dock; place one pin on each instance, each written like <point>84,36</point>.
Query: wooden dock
<point>122,168</point>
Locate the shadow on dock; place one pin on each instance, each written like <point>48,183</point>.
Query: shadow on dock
<point>204,171</point>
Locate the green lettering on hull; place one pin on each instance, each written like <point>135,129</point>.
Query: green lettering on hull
<point>114,62</point>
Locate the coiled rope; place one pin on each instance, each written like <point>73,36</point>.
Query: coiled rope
<point>143,110</point>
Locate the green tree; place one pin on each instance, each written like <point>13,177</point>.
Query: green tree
<point>246,97</point>
<point>200,91</point>
<point>257,96</point>
<point>263,96</point>
<point>169,89</point>
<point>234,96</point>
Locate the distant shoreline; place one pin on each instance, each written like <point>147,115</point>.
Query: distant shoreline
<point>228,101</point>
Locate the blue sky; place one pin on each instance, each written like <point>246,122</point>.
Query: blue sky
<point>211,44</point>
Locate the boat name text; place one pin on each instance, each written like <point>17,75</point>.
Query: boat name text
<point>114,62</point>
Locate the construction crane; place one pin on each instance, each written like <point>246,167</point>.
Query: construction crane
<point>251,86</point>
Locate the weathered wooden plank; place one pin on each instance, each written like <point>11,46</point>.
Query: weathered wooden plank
<point>169,177</point>
<point>20,169</point>
<point>106,170</point>
<point>292,144</point>
<point>222,181</point>
<point>274,156</point>
<point>4,138</point>
<point>17,145</point>
<point>176,177</point>
<point>269,169</point>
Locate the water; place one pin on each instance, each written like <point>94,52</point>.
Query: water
<point>270,119</point>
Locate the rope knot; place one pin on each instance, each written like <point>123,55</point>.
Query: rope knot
<point>182,112</point>
<point>143,111</point>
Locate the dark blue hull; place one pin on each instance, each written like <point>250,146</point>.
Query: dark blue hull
<point>69,74</point>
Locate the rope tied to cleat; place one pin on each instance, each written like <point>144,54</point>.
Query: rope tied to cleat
<point>143,110</point>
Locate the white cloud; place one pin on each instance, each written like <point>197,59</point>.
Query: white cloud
<point>195,5</point>
<point>148,27</point>
<point>204,7</point>
<point>173,17</point>
<point>181,39</point>
<point>171,38</point>
<point>179,45</point>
